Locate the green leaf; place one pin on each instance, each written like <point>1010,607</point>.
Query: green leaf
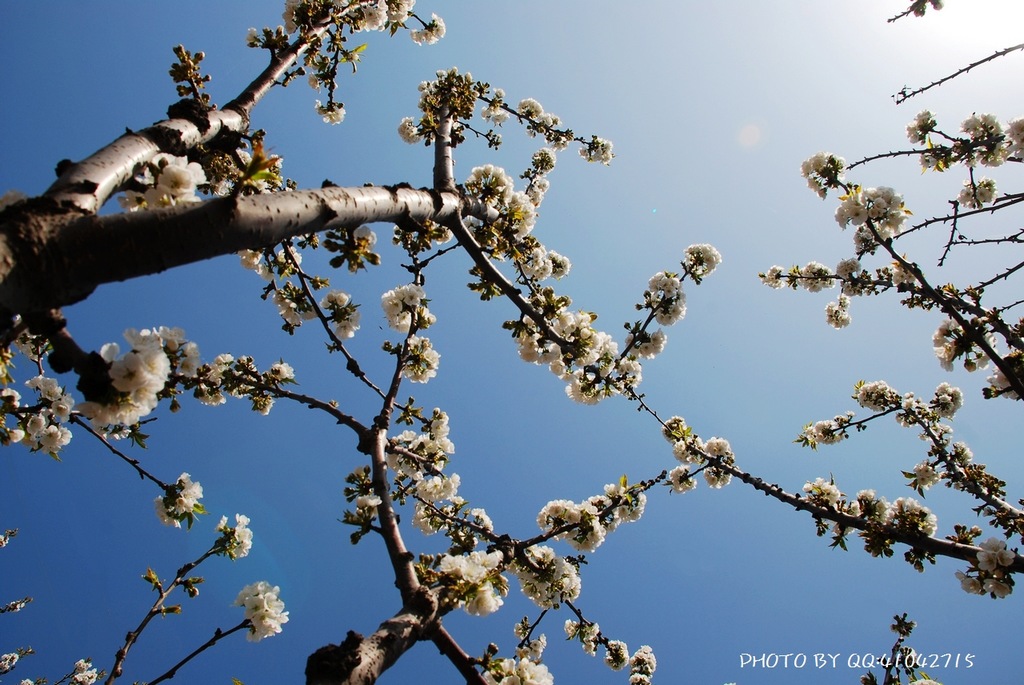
<point>151,578</point>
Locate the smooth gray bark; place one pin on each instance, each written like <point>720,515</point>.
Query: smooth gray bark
<point>51,256</point>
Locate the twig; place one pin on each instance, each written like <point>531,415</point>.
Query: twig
<point>905,95</point>
<point>217,636</point>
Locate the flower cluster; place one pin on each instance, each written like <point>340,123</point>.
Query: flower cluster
<point>923,125</point>
<point>825,432</point>
<point>837,313</point>
<point>951,343</point>
<point>712,456</point>
<point>585,525</point>
<point>848,271</point>
<point>588,361</point>
<point>597,150</point>
<point>701,260</point>
<point>881,209</point>
<point>823,172</point>
<point>42,428</point>
<point>616,655</point>
<point>541,264</point>
<point>547,125</point>
<point>823,493</point>
<point>665,297</point>
<point>263,609</point>
<point>421,360</point>
<point>234,542</point>
<point>424,452</point>
<point>84,673</point>
<point>8,662</point>
<point>985,141</point>
<point>369,15</point>
<point>474,581</point>
<point>877,396</point>
<point>642,666</point>
<point>999,385</point>
<point>405,307</point>
<point>522,671</point>
<point>239,378</point>
<point>139,376</point>
<point>910,517</point>
<point>812,277</point>
<point>496,112</point>
<point>530,649</point>
<point>342,312</point>
<point>361,493</point>
<point>976,195</point>
<point>546,578</point>
<point>180,502</point>
<point>430,33</point>
<point>169,181</point>
<point>516,210</point>
<point>408,132</point>
<point>332,112</point>
<point>588,634</point>
<point>989,574</point>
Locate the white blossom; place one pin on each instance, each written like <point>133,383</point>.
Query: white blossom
<point>263,608</point>
<point>994,554</point>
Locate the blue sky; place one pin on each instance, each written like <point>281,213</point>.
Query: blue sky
<point>712,107</point>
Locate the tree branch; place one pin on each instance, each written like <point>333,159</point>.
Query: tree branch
<point>932,545</point>
<point>43,267</point>
<point>905,94</point>
<point>218,635</point>
<point>465,664</point>
<point>361,660</point>
<point>444,165</point>
<point>88,184</point>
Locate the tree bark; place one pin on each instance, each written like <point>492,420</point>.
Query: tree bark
<point>51,255</point>
<point>91,182</point>
<point>360,660</point>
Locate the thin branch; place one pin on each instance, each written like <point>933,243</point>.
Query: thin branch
<point>352,366</point>
<point>496,278</point>
<point>1005,275</point>
<point>463,662</point>
<point>952,308</point>
<point>361,431</point>
<point>905,94</point>
<point>217,636</point>
<point>928,544</point>
<point>134,463</point>
<point>156,610</point>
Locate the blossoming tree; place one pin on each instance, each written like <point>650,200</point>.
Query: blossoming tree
<point>203,183</point>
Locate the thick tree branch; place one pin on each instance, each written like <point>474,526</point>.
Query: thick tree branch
<point>43,267</point>
<point>361,660</point>
<point>444,165</point>
<point>88,184</point>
